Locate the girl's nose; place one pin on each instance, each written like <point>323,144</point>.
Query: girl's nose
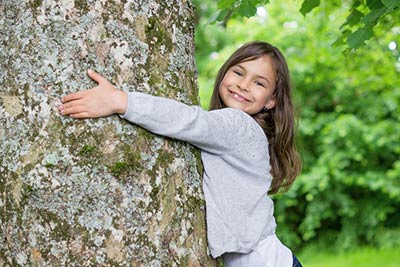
<point>244,85</point>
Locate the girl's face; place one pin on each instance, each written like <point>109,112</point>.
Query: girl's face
<point>249,85</point>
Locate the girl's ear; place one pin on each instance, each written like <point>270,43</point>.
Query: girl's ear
<point>270,103</point>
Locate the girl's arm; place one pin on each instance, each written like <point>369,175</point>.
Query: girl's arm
<point>209,131</point>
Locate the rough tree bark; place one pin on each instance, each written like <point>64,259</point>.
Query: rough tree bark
<point>96,192</point>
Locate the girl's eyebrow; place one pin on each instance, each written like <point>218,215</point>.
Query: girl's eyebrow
<point>257,76</point>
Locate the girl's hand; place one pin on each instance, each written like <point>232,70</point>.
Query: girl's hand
<point>100,101</point>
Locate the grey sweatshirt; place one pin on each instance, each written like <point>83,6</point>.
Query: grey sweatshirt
<point>234,151</point>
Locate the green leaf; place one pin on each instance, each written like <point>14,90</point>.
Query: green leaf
<point>246,9</point>
<point>259,2</point>
<point>358,37</point>
<point>372,17</point>
<point>353,18</point>
<point>308,5</point>
<point>218,16</point>
<point>356,4</point>
<point>374,4</point>
<point>225,4</point>
<point>339,41</point>
<point>255,2</point>
<point>391,4</point>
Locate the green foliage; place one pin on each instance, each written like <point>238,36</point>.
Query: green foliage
<point>349,191</point>
<point>364,16</point>
<point>236,8</point>
<point>308,5</point>
<point>358,28</point>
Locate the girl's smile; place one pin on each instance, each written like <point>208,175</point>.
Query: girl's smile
<point>238,97</point>
<point>249,85</point>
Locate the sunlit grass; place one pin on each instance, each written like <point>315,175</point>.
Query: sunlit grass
<point>362,257</point>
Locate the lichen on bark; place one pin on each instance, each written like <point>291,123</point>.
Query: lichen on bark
<point>95,192</point>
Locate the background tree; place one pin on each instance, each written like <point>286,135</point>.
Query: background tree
<point>95,192</point>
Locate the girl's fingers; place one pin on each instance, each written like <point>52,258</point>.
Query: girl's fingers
<point>81,115</point>
<point>73,109</point>
<point>92,103</point>
<point>65,106</point>
<point>96,77</point>
<point>78,95</point>
<point>71,103</point>
<point>73,96</point>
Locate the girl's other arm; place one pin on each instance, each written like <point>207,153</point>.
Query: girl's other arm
<point>100,101</point>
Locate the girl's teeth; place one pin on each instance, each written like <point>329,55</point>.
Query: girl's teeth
<point>238,97</point>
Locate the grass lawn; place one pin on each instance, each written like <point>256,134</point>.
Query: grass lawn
<point>361,257</point>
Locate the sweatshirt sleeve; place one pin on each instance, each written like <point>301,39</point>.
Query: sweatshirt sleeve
<point>208,130</point>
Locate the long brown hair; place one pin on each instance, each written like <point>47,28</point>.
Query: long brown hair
<point>278,123</point>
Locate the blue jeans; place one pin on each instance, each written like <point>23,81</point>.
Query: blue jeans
<point>296,262</point>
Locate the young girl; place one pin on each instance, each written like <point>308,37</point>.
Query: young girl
<point>247,144</point>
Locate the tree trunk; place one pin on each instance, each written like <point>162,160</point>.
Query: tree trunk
<point>97,192</point>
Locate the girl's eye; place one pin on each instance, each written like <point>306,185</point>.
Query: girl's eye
<point>260,84</point>
<point>238,73</point>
